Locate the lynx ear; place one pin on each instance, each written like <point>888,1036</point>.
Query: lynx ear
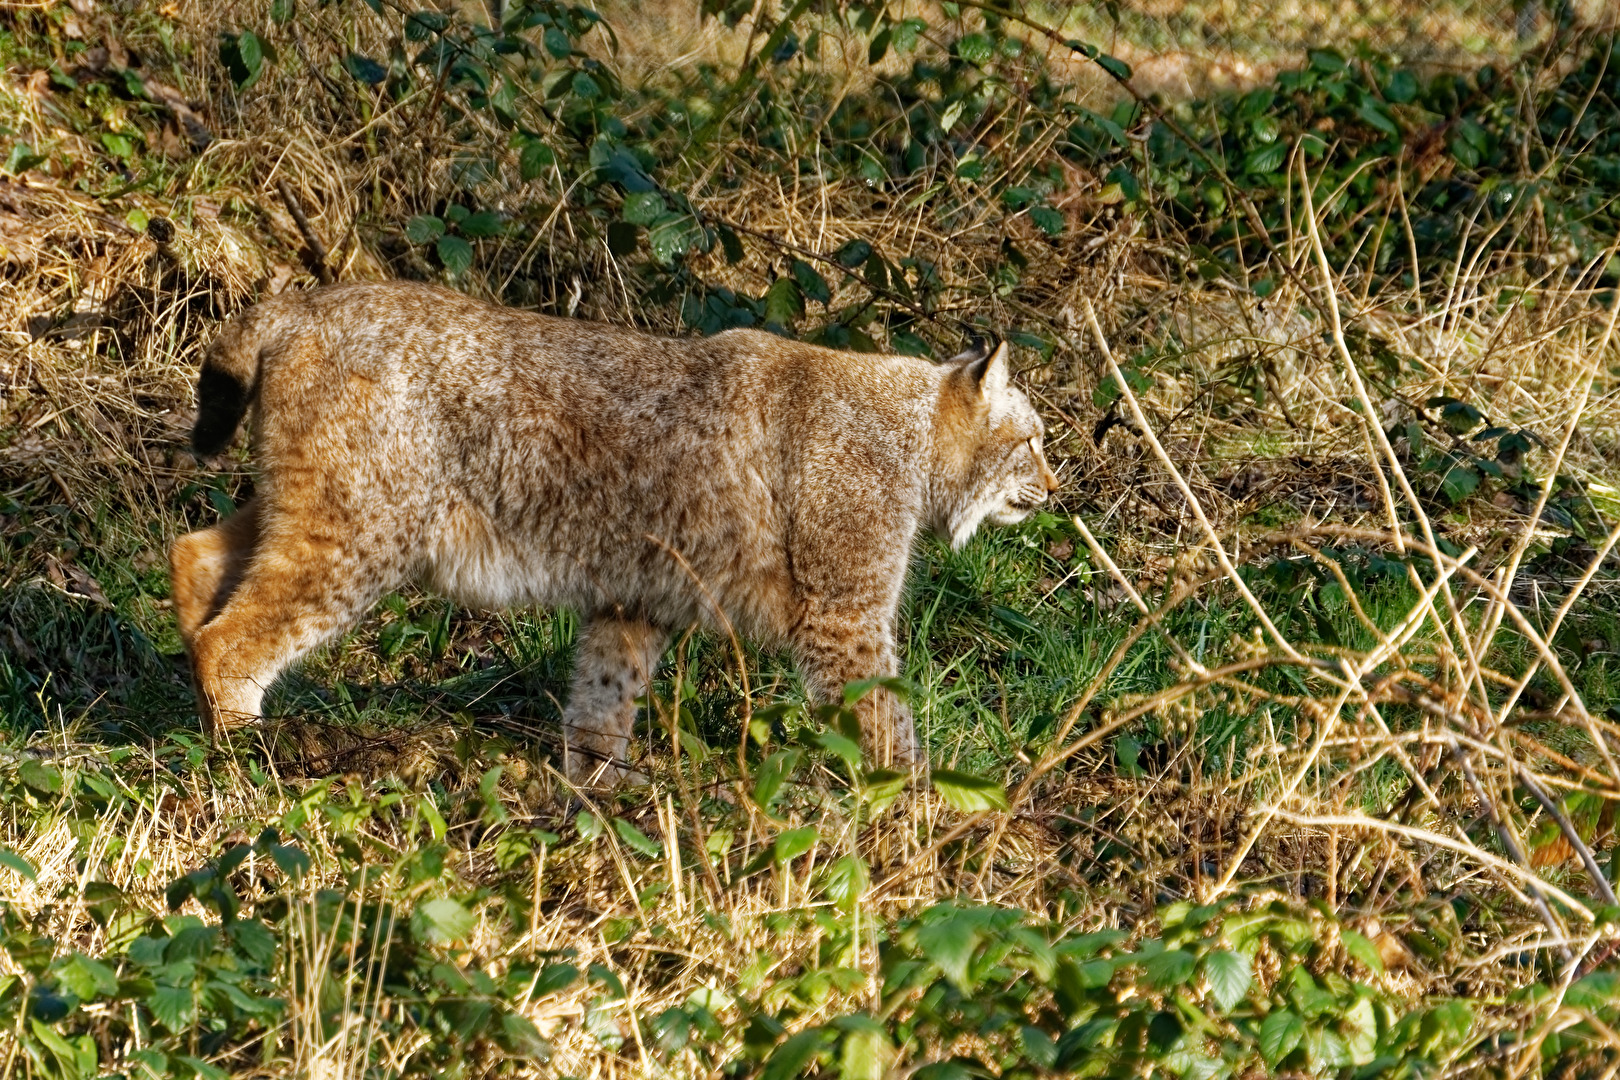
<point>978,349</point>
<point>991,373</point>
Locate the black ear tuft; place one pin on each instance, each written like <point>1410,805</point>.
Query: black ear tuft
<point>978,350</point>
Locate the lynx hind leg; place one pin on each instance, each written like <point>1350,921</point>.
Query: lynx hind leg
<point>206,566</point>
<point>298,591</point>
<point>834,650</point>
<point>615,660</point>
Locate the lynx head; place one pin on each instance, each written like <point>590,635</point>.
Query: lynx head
<point>988,445</point>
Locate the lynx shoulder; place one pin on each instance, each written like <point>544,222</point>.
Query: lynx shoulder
<point>505,459</point>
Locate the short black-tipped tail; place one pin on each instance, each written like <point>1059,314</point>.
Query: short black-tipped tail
<point>227,386</point>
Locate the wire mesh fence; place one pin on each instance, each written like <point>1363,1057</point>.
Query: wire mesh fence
<point>1186,48</point>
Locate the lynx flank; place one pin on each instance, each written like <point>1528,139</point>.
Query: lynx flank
<point>504,459</point>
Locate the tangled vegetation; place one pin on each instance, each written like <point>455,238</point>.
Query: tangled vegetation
<point>1285,746</point>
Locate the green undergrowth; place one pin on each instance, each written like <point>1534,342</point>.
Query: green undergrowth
<point>390,873</point>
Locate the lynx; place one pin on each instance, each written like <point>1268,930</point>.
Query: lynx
<point>743,481</point>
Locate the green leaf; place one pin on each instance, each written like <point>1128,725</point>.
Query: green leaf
<point>950,941</point>
<point>1358,947</point>
<point>880,45</point>
<point>791,1058</point>
<point>866,1052</point>
<point>847,880</point>
<point>1280,1035</point>
<point>644,207</point>
<point>535,159</point>
<point>46,779</point>
<point>485,223</point>
<point>87,978</point>
<point>424,229</point>
<point>601,973</point>
<point>1116,67</point>
<point>1048,220</point>
<point>364,69</point>
<point>793,843</point>
<point>243,56</point>
<point>558,44</point>
<point>13,861</point>
<point>1374,115</point>
<point>441,922</point>
<point>456,255</point>
<point>1265,159</point>
<point>813,285</point>
<point>731,245</point>
<point>772,774</point>
<point>1459,482</point>
<point>845,748</point>
<point>119,146</point>
<point>1170,968</point>
<point>282,10</point>
<point>290,860</point>
<point>173,1006</point>
<point>967,792</point>
<point>1229,974</point>
<point>588,825</point>
<point>635,839</point>
<point>672,237</point>
<point>784,302</point>
<point>975,49</point>
<point>853,254</point>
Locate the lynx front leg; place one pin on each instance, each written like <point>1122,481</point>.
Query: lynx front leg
<point>615,661</point>
<point>836,647</point>
<point>297,592</point>
<point>206,566</point>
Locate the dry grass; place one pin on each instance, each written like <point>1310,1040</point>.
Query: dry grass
<point>1330,799</point>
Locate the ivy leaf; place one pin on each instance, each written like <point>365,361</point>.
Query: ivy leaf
<point>1229,974</point>
<point>967,792</point>
<point>456,254</point>
<point>1280,1035</point>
